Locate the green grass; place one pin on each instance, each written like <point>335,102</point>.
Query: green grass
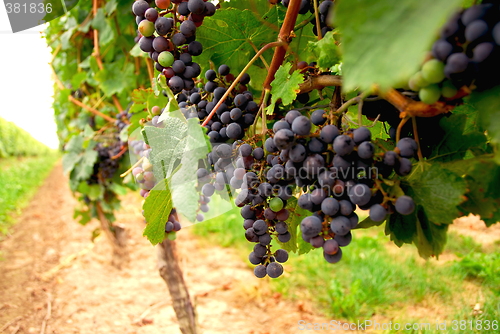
<point>375,278</point>
<point>19,180</point>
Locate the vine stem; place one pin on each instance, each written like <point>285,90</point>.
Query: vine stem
<point>320,82</point>
<point>352,101</point>
<point>417,139</point>
<point>132,168</point>
<point>235,82</point>
<point>97,52</point>
<point>264,114</point>
<point>92,110</point>
<point>150,70</point>
<point>261,58</point>
<point>316,14</point>
<point>283,37</point>
<point>400,126</point>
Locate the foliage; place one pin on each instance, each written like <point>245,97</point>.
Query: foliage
<point>15,142</point>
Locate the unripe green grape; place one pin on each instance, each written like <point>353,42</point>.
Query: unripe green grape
<point>166,59</point>
<point>430,94</point>
<point>276,204</point>
<point>146,28</point>
<point>449,90</point>
<point>433,71</point>
<point>172,236</point>
<point>139,177</point>
<point>417,81</point>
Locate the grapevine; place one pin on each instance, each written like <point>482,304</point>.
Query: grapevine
<point>299,119</point>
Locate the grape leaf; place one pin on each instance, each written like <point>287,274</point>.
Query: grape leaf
<point>483,196</point>
<point>79,160</point>
<point>228,35</point>
<point>438,190</point>
<point>285,86</point>
<point>258,7</point>
<point>176,150</point>
<point>116,77</point>
<point>367,223</point>
<point>458,139</point>
<point>325,51</point>
<point>384,42</point>
<point>430,238</point>
<point>401,228</point>
<point>157,208</point>
<point>488,104</point>
<point>106,32</point>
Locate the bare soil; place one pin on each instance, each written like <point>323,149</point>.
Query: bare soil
<point>53,279</point>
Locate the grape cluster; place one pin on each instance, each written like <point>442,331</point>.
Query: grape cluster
<point>122,116</point>
<point>465,54</point>
<point>323,8</point>
<point>106,166</point>
<point>338,171</point>
<point>171,41</point>
<point>232,117</point>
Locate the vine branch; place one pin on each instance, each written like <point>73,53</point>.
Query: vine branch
<point>92,110</point>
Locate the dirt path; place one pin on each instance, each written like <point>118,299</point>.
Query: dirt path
<point>88,295</point>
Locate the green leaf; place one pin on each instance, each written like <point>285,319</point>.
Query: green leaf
<point>367,223</point>
<point>115,78</point>
<point>137,52</point>
<point>325,51</point>
<point>259,7</point>
<point>438,190</point>
<point>457,139</point>
<point>488,104</point>
<point>77,79</point>
<point>285,86</point>
<point>85,166</point>
<point>401,229</point>
<point>227,36</point>
<point>483,197</point>
<point>157,208</point>
<point>176,150</point>
<point>69,160</point>
<point>430,238</point>
<point>94,191</point>
<point>110,7</point>
<point>385,42</point>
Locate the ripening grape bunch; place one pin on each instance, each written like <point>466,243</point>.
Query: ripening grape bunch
<point>232,117</point>
<point>170,38</point>
<point>337,171</point>
<point>465,55</point>
<point>324,8</point>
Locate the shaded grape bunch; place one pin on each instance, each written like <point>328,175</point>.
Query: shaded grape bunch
<point>466,53</point>
<point>324,9</point>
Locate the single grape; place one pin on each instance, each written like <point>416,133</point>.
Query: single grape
<point>208,190</point>
<point>281,256</point>
<point>329,133</point>
<point>234,131</point>
<point>430,94</point>
<point>162,4</point>
<point>433,71</point>
<point>260,271</point>
<point>166,59</point>
<point>224,70</point>
<point>188,28</point>
<point>404,205</point>
<point>179,39</point>
<point>340,225</point>
<point>292,115</point>
<point>254,259</point>
<point>146,28</point>
<point>343,145</point>
<point>317,117</point>
<point>283,139</point>
<point>196,6</point>
<point>333,258</point>
<point>456,63</point>
<point>311,226</point>
<point>317,242</point>
<point>475,30</point>
<point>366,150</point>
<point>441,49</point>
<point>361,134</point>
<point>404,167</point>
<point>265,239</point>
<point>139,7</point>
<point>360,194</point>
<point>301,126</point>
<point>346,207</point>
<point>285,237</point>
<point>407,147</point>
<point>274,270</point>
<point>163,25</point>
<point>377,213</point>
<point>449,90</point>
<point>276,204</point>
<point>297,153</point>
<point>330,246</point>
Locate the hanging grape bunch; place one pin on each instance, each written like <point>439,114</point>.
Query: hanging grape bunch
<point>324,10</point>
<point>463,58</point>
<point>170,38</point>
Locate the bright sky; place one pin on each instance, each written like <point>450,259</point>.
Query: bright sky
<point>25,81</point>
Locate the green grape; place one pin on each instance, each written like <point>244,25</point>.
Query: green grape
<point>433,71</point>
<point>172,236</point>
<point>449,90</point>
<point>146,28</point>
<point>139,177</point>
<point>417,81</point>
<point>276,204</point>
<point>430,94</point>
<point>166,59</point>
